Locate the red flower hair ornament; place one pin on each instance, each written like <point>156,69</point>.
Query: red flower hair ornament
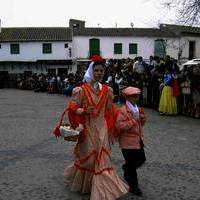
<point>97,59</point>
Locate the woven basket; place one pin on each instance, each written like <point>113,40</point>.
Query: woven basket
<point>69,134</point>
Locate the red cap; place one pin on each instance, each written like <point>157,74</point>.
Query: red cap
<point>131,91</point>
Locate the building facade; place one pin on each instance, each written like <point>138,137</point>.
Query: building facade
<point>35,50</point>
<point>58,50</point>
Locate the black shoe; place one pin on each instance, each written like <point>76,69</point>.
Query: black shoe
<point>136,191</point>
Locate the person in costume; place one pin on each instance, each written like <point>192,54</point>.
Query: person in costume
<point>168,102</point>
<point>129,123</point>
<point>91,105</point>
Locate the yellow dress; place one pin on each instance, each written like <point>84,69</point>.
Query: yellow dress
<point>168,103</point>
<point>92,171</point>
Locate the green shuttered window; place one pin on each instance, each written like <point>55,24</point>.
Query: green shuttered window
<point>133,48</point>
<point>118,48</point>
<point>46,48</point>
<point>14,48</point>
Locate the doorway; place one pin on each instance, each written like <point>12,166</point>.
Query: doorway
<point>94,47</point>
<point>191,50</point>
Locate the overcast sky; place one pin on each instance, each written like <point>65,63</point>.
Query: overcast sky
<point>102,13</point>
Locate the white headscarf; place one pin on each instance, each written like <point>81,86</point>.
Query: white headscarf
<point>89,74</point>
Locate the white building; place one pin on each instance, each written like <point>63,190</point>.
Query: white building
<point>57,50</point>
<point>186,44</point>
<point>35,50</point>
<point>180,42</point>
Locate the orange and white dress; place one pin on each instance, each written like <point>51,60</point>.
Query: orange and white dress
<point>92,172</point>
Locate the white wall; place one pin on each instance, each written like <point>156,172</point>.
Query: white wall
<point>32,51</point>
<point>145,46</point>
<point>172,47</point>
<point>174,44</point>
<point>197,47</point>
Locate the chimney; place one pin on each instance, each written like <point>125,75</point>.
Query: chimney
<point>74,23</point>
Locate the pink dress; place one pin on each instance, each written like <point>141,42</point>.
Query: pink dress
<point>92,171</point>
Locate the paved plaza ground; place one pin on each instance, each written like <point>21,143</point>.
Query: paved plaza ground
<point>32,160</point>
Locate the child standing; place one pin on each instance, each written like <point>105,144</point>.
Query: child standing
<point>129,123</point>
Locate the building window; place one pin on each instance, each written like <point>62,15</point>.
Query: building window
<point>133,48</point>
<point>118,48</point>
<point>160,48</point>
<point>46,48</point>
<point>66,45</point>
<point>14,48</point>
<point>70,52</point>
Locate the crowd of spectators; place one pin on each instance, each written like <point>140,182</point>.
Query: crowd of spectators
<point>120,73</point>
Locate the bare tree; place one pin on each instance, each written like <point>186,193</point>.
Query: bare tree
<point>188,10</point>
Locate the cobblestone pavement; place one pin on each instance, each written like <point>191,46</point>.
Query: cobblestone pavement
<point>32,160</point>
